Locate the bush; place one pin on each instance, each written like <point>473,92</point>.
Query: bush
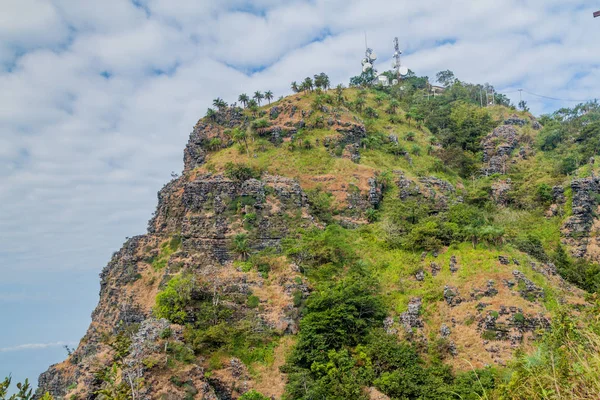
<point>320,203</point>
<point>241,172</point>
<point>533,246</point>
<point>253,301</point>
<point>337,315</point>
<point>253,395</point>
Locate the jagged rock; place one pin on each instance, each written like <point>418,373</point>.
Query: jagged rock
<point>375,192</point>
<point>497,148</point>
<point>420,275</point>
<point>504,260</point>
<point>536,125</point>
<point>445,331</point>
<point>453,264</point>
<point>411,318</point>
<point>452,296</point>
<point>576,229</point>
<point>501,192</point>
<point>489,291</point>
<point>530,291</point>
<point>558,195</point>
<point>514,120</point>
<point>274,112</point>
<point>388,325</point>
<point>435,268</point>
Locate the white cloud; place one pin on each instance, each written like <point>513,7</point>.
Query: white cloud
<point>34,346</point>
<point>99,100</point>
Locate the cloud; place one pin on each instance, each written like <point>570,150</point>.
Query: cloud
<point>34,346</point>
<point>97,102</point>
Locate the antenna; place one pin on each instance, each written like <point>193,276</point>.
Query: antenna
<point>397,65</point>
<point>368,69</point>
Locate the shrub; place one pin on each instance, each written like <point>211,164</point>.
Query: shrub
<point>320,203</point>
<point>253,395</point>
<point>253,301</point>
<point>337,315</point>
<point>241,172</point>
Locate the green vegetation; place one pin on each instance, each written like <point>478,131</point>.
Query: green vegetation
<point>359,258</point>
<point>24,391</point>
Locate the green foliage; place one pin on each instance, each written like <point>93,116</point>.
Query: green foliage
<point>240,245</point>
<point>468,124</point>
<point>565,366</point>
<point>318,249</point>
<point>337,315</point>
<point>320,203</point>
<point>165,252</point>
<point>253,301</point>
<point>113,388</point>
<point>241,172</point>
<point>544,193</point>
<point>533,246</point>
<point>24,391</point>
<point>253,395</point>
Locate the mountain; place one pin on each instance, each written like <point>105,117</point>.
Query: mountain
<point>357,243</point>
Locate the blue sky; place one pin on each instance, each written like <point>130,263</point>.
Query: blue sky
<point>97,100</point>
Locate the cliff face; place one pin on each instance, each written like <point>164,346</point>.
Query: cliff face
<point>484,303</point>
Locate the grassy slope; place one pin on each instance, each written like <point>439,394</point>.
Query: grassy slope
<point>395,268</point>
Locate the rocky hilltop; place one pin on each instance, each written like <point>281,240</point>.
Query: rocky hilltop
<point>300,231</point>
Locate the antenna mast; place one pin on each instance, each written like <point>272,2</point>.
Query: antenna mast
<point>397,54</point>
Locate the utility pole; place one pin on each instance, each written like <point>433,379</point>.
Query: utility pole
<point>520,95</point>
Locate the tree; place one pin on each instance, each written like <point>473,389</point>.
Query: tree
<point>322,81</point>
<point>446,78</point>
<point>240,245</point>
<point>219,103</point>
<point>269,96</point>
<point>211,114</point>
<point>253,106</point>
<point>243,99</point>
<point>240,136</point>
<point>394,104</point>
<point>25,392</point>
<point>308,84</point>
<point>411,114</point>
<point>258,96</point>
<point>371,113</point>
<point>523,106</point>
<point>339,94</point>
<point>359,103</point>
<point>295,87</point>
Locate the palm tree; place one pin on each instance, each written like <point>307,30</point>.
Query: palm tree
<point>258,96</point>
<point>243,99</point>
<point>295,87</point>
<point>211,114</point>
<point>394,104</point>
<point>219,103</point>
<point>308,84</point>
<point>269,96</point>
<point>359,103</point>
<point>240,136</point>
<point>240,245</point>
<point>339,93</point>
<point>253,106</point>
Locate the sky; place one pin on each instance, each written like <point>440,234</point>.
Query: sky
<point>97,100</point>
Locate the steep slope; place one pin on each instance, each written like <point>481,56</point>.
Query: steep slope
<point>281,207</point>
